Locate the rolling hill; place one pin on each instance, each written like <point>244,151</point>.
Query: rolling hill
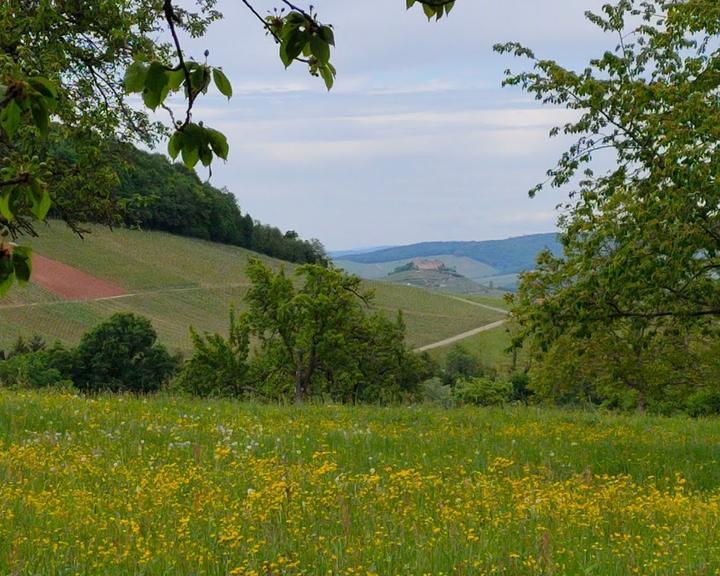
<point>434,275</point>
<point>178,282</point>
<point>463,265</point>
<point>494,264</point>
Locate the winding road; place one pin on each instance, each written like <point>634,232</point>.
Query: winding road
<point>469,333</point>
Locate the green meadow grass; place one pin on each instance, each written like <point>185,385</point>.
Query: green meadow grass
<point>173,486</point>
<point>178,282</point>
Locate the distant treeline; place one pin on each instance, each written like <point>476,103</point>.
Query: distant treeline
<point>160,195</point>
<point>508,256</point>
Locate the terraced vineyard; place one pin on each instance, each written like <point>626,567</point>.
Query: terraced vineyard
<point>178,282</point>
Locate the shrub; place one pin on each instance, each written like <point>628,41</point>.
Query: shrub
<point>704,402</point>
<point>41,368</point>
<point>121,355</point>
<point>218,366</point>
<point>483,391</point>
<point>435,392</point>
<point>460,364</point>
<point>520,385</point>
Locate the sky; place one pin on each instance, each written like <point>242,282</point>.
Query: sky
<point>416,142</point>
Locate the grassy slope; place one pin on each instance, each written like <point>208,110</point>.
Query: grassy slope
<point>180,282</point>
<point>491,346</point>
<point>117,485</point>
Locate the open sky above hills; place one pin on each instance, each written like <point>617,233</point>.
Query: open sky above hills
<point>416,142</point>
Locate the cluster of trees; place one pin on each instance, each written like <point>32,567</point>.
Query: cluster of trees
<point>157,194</point>
<point>314,337</point>
<point>120,355</point>
<point>464,380</point>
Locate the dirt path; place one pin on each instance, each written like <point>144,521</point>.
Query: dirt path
<point>462,336</point>
<point>469,333</point>
<point>501,310</point>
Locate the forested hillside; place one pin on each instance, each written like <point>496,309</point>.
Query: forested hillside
<point>159,195</point>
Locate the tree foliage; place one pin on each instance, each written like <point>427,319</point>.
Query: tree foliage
<point>641,240</point>
<point>219,366</point>
<point>159,195</point>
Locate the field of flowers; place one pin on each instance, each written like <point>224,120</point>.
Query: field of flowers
<point>173,486</point>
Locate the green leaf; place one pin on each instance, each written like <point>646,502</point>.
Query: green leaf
<point>44,86</point>
<point>327,34</point>
<point>10,118</point>
<point>40,199</point>
<point>192,140</point>
<point>295,19</point>
<point>22,263</point>
<point>175,144</point>
<point>135,77</point>
<point>294,43</point>
<point>40,115</point>
<point>175,79</point>
<point>218,142</point>
<point>156,85</point>
<point>327,75</point>
<point>5,210</point>
<point>222,83</point>
<point>320,49</point>
<point>205,155</point>
<point>190,154</point>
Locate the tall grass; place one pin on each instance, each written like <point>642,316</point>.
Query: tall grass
<point>116,485</point>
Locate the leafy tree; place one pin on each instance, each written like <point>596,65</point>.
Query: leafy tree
<point>312,338</point>
<point>642,239</point>
<point>122,355</point>
<point>66,69</point>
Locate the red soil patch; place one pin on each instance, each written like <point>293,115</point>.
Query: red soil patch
<point>70,283</point>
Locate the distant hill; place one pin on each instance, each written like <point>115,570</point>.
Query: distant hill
<point>434,275</point>
<point>506,257</point>
<point>468,267</point>
<point>342,253</point>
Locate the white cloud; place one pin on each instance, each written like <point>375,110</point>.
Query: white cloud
<point>417,140</point>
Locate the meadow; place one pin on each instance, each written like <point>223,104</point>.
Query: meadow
<point>177,282</point>
<point>121,485</point>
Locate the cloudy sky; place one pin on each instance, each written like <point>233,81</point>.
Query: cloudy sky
<point>417,141</point>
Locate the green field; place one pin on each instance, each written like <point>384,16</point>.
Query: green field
<point>178,282</point>
<point>119,485</point>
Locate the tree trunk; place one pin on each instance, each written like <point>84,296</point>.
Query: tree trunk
<point>299,383</point>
